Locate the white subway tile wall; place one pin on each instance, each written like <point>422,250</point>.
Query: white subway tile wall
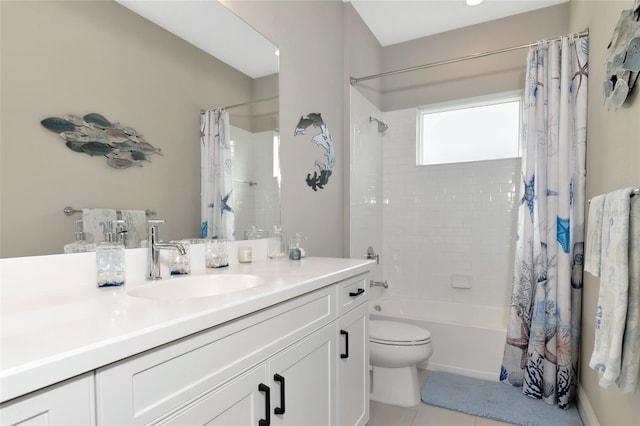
<point>446,220</point>
<point>366,180</point>
<point>257,205</point>
<point>431,224</point>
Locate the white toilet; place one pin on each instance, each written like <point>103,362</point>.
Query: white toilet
<point>394,350</point>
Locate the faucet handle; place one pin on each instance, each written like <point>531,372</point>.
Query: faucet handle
<point>114,226</point>
<point>119,230</point>
<point>153,223</point>
<point>372,255</point>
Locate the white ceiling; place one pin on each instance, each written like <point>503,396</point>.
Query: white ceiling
<point>395,21</point>
<point>211,27</point>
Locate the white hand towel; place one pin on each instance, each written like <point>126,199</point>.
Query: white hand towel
<point>611,312</point>
<point>629,371</point>
<point>136,226</point>
<point>593,248</point>
<point>95,223</point>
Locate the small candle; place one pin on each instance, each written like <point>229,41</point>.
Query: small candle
<point>244,254</point>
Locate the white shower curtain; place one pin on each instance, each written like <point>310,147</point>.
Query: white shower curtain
<point>541,351</point>
<point>216,176</point>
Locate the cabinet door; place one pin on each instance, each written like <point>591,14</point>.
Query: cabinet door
<point>242,402</point>
<point>151,385</point>
<point>68,403</point>
<point>308,369</point>
<point>353,365</point>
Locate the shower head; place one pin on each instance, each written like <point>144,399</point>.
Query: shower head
<point>382,126</point>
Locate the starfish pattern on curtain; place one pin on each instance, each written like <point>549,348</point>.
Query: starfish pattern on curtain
<point>541,349</point>
<point>216,183</point>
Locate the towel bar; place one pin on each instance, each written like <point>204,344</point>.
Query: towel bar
<point>69,211</point>
<point>636,191</point>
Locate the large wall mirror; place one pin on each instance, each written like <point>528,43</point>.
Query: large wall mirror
<point>135,66</point>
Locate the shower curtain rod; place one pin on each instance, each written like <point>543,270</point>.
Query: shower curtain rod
<point>271,98</point>
<point>354,80</point>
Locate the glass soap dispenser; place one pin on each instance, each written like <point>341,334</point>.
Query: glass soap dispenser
<point>110,258</point>
<point>80,245</point>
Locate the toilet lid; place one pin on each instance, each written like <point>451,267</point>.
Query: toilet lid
<point>392,332</point>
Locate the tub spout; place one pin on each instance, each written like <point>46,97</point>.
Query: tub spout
<point>373,283</point>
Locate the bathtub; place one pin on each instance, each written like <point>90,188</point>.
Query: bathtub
<point>467,339</point>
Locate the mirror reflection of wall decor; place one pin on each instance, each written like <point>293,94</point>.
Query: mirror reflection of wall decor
<point>94,135</point>
<point>623,61</point>
<point>157,90</point>
<point>324,140</point>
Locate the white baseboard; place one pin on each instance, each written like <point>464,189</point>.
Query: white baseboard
<point>586,410</point>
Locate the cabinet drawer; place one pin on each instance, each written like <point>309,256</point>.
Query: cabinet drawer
<point>352,292</point>
<point>146,387</point>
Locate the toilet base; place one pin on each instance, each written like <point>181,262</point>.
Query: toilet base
<point>395,386</point>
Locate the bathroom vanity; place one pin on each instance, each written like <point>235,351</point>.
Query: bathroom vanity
<point>290,350</point>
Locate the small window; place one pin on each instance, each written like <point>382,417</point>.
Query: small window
<point>470,130</point>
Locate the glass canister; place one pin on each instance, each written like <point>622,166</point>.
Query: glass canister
<point>215,253</point>
<point>296,246</point>
<point>277,243</point>
<point>254,233</point>
<point>180,264</point>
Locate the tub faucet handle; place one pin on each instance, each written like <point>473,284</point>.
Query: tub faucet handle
<point>373,283</point>
<point>372,255</point>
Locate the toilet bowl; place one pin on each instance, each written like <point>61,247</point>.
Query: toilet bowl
<point>394,350</point>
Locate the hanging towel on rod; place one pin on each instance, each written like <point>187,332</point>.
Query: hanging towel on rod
<point>95,223</point>
<point>612,307</point>
<point>592,253</point>
<point>136,226</point>
<point>630,370</point>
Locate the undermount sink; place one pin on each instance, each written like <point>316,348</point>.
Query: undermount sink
<point>196,286</point>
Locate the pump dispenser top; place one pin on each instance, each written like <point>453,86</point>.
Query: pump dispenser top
<point>80,245</point>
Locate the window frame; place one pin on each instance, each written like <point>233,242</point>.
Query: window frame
<point>466,103</point>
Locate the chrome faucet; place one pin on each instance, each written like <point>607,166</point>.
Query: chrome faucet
<point>153,258</point>
<point>373,283</point>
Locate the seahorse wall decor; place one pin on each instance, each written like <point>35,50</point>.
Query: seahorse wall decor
<point>324,140</point>
<point>623,61</point>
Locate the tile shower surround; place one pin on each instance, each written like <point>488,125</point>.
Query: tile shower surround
<point>366,181</point>
<point>445,220</point>
<point>433,222</point>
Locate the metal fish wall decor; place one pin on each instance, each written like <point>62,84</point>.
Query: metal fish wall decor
<point>324,140</point>
<point>623,61</point>
<point>93,134</point>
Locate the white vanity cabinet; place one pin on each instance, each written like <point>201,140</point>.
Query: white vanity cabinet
<point>293,388</point>
<point>240,402</point>
<point>68,403</point>
<point>278,366</point>
<point>353,379</point>
<point>291,351</point>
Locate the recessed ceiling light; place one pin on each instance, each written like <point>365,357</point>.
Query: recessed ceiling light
<point>474,2</point>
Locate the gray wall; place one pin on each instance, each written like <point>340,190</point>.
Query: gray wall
<point>310,37</point>
<point>492,74</point>
<point>362,56</point>
<point>76,57</point>
<point>613,162</point>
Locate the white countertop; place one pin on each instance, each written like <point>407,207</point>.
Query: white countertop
<point>56,324</point>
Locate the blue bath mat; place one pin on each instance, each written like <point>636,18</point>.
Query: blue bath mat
<point>494,400</point>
